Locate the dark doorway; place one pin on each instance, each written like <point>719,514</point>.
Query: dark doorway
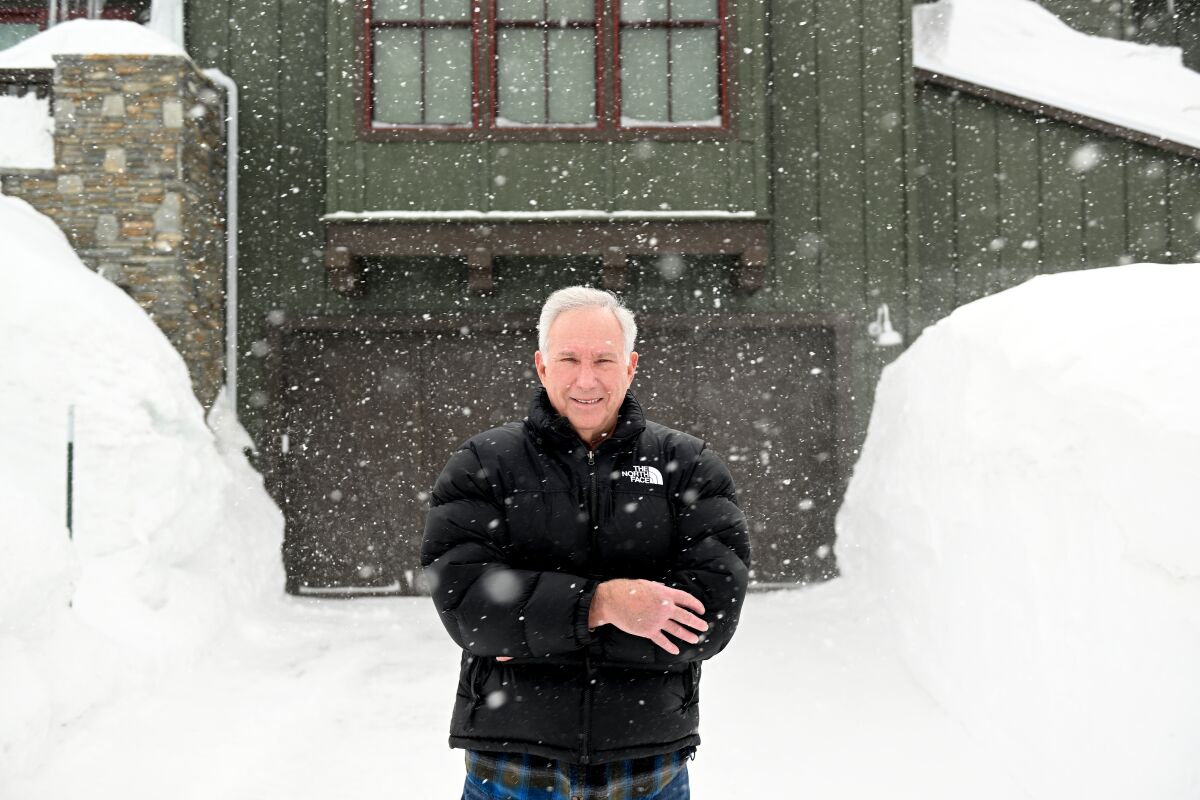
<point>370,414</point>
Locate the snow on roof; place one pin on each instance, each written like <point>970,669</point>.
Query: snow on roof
<point>87,36</point>
<point>1020,48</point>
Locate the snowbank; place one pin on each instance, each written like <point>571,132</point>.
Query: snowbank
<point>173,530</point>
<point>97,36</point>
<point>1018,47</point>
<point>26,133</point>
<point>1026,502</point>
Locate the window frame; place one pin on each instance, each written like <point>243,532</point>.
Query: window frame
<point>485,89</point>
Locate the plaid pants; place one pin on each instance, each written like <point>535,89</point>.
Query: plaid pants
<point>516,776</point>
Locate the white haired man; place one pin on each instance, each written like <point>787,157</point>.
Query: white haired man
<point>587,561</point>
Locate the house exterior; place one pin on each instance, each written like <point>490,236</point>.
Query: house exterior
<point>756,177</point>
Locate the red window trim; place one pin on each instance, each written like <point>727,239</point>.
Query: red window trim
<point>597,24</point>
<point>721,24</point>
<point>24,16</point>
<point>371,25</point>
<point>38,15</point>
<point>607,91</point>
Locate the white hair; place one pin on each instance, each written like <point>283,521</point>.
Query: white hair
<point>574,297</point>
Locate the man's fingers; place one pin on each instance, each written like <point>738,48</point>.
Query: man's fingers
<point>680,632</point>
<point>664,643</point>
<point>685,617</point>
<point>685,600</point>
<point>504,658</point>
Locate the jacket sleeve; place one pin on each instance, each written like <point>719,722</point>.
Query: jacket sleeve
<point>488,607</point>
<point>713,565</point>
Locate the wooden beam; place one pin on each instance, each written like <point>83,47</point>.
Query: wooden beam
<point>345,274</point>
<point>349,242</point>
<point>480,279</point>
<point>614,269</point>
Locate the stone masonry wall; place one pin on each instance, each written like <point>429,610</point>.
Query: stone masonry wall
<point>139,189</point>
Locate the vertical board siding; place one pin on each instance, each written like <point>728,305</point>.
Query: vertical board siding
<point>937,208</point>
<point>1147,218</point>
<point>1062,218</point>
<point>1105,239</point>
<point>1184,202</point>
<point>1017,183</point>
<point>978,199</point>
<point>792,91</point>
<point>1048,196</point>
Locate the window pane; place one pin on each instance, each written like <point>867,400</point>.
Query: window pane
<point>694,75</point>
<point>397,78</point>
<point>572,9</point>
<point>14,32</point>
<point>447,9</point>
<point>396,9</point>
<point>572,76</point>
<point>520,9</point>
<point>632,10</point>
<point>644,74</point>
<point>693,9</point>
<point>448,76</point>
<point>521,77</point>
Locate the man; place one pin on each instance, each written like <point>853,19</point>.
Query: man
<point>586,560</point>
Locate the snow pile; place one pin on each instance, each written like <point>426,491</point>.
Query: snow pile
<point>173,531</point>
<point>94,36</point>
<point>1026,503</point>
<point>26,133</point>
<point>1018,47</point>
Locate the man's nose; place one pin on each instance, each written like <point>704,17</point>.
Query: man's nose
<point>586,377</point>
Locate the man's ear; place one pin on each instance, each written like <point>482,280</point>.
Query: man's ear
<point>633,359</point>
<point>540,364</point>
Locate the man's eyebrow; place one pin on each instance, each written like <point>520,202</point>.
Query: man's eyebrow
<point>601,354</point>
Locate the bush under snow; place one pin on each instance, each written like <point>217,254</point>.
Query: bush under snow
<point>173,534</point>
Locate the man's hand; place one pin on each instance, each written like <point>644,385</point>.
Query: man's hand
<point>648,609</point>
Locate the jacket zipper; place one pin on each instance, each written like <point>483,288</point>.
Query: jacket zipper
<point>593,516</point>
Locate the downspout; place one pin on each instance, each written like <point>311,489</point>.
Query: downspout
<point>231,230</point>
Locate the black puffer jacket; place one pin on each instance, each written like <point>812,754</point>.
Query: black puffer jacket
<point>524,524</point>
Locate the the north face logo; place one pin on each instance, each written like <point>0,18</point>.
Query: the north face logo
<point>643,475</point>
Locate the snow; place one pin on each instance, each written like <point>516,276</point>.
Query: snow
<point>1019,616</point>
<point>26,133</point>
<point>1025,502</point>
<point>339,698</point>
<point>91,36</point>
<point>470,215</point>
<point>167,19</point>
<point>174,536</point>
<point>1018,47</point>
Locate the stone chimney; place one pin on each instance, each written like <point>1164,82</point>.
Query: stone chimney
<point>139,189</point>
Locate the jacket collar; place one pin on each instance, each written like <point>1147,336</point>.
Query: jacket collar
<point>543,419</point>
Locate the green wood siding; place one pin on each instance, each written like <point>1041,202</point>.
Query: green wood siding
<point>1003,197</point>
<point>877,192</point>
<point>505,175</point>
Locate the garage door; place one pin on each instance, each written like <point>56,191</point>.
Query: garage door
<point>368,418</point>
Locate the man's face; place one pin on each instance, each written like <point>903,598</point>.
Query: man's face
<point>584,371</point>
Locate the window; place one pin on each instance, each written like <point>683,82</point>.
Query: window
<point>467,68</point>
<point>22,19</point>
<point>18,24</point>
<point>669,57</point>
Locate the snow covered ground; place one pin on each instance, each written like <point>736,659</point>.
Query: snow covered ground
<point>1019,617</point>
<point>323,699</point>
